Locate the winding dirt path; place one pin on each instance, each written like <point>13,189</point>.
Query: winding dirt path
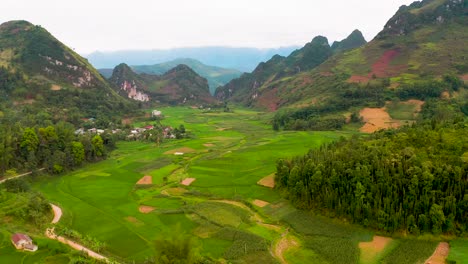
<point>440,254</point>
<point>50,233</point>
<point>285,243</point>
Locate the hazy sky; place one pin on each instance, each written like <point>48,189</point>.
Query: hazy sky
<point>105,25</point>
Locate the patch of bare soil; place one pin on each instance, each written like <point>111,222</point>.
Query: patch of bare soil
<point>377,244</point>
<point>464,77</point>
<point>188,181</point>
<point>222,128</point>
<point>180,150</point>
<point>209,145</point>
<point>55,87</point>
<point>376,119</point>
<point>440,254</point>
<point>370,250</point>
<point>146,209</point>
<point>145,180</point>
<point>260,203</point>
<point>268,181</point>
<point>269,99</point>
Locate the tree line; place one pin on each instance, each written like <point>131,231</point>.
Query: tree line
<point>329,114</point>
<point>414,179</point>
<point>55,148</point>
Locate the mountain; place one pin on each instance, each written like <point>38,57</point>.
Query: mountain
<point>179,85</point>
<point>241,59</point>
<point>41,70</point>
<point>418,45</point>
<point>216,76</point>
<point>249,88</point>
<point>354,40</point>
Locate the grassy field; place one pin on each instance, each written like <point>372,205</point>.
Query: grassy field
<point>459,251</point>
<point>227,154</point>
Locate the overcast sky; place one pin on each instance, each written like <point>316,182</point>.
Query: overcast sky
<point>107,25</point>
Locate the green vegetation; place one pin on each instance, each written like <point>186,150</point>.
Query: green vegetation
<point>231,152</point>
<point>45,77</point>
<point>458,252</point>
<point>410,251</point>
<point>394,180</point>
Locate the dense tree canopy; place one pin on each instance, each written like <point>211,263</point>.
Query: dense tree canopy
<point>413,179</point>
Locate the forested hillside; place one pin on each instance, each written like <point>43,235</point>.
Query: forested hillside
<point>414,179</point>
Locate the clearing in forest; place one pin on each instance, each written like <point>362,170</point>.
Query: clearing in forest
<point>440,254</point>
<point>145,180</point>
<point>370,251</point>
<point>268,181</point>
<point>376,119</point>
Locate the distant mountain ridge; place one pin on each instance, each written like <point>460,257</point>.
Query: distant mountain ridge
<point>180,85</point>
<point>421,42</point>
<point>248,89</point>
<point>241,59</point>
<point>216,76</point>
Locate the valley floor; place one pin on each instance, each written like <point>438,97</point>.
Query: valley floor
<point>208,187</point>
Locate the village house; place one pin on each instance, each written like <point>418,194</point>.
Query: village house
<point>156,113</point>
<point>23,242</point>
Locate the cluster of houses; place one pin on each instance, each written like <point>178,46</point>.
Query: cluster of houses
<point>133,133</point>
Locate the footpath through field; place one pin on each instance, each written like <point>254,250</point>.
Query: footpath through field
<point>50,233</point>
<point>19,176</point>
<point>281,245</point>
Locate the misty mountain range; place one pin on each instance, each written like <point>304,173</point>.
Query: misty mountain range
<point>242,59</point>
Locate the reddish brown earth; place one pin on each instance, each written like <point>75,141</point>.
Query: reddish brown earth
<point>381,68</point>
<point>145,180</point>
<point>464,77</point>
<point>188,181</point>
<point>145,209</point>
<point>268,181</point>
<point>376,119</point>
<point>260,203</point>
<point>269,99</point>
<point>440,254</point>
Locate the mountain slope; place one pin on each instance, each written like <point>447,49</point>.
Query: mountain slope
<point>216,76</point>
<point>179,85</point>
<point>421,42</point>
<point>250,90</point>
<point>49,73</point>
